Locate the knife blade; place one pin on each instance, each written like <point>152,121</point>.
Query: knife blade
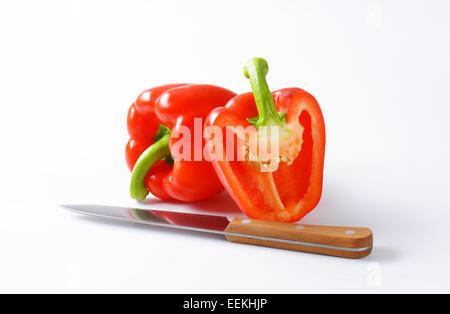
<point>349,242</point>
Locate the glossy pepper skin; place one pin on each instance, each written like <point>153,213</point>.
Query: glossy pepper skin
<point>293,190</point>
<point>150,120</point>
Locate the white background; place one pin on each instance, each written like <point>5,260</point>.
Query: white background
<point>69,71</point>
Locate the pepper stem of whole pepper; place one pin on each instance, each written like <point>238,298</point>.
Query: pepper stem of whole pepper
<point>157,151</point>
<point>256,70</point>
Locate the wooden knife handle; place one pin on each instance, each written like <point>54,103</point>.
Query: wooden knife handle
<point>346,242</point>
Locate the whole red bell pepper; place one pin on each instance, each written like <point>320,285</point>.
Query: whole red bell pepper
<point>284,187</point>
<point>150,120</point>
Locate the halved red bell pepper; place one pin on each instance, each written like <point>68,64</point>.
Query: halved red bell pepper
<point>151,118</point>
<point>292,186</point>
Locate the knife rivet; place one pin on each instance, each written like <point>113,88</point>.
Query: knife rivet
<point>246,221</point>
<point>349,232</point>
<point>300,227</point>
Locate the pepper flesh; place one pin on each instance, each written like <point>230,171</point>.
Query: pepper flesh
<point>294,188</point>
<point>174,106</point>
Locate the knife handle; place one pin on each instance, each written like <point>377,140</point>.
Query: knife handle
<point>346,242</point>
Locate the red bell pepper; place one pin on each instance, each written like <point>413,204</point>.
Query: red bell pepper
<point>150,120</point>
<point>291,184</point>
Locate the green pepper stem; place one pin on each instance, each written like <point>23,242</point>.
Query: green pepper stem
<point>145,162</point>
<point>256,70</point>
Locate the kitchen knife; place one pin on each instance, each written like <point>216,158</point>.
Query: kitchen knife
<point>346,242</point>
